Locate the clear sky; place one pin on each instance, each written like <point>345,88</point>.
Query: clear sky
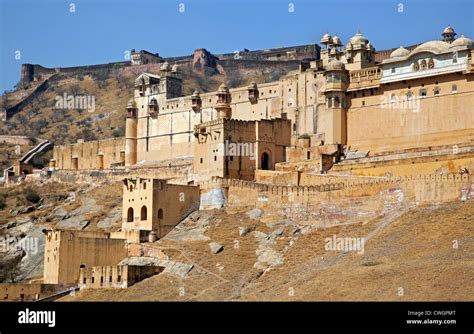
<point>46,32</point>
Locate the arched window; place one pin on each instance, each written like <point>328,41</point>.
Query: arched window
<point>143,213</point>
<point>144,185</point>
<point>265,161</point>
<point>160,214</point>
<point>329,102</point>
<point>423,64</point>
<point>336,102</point>
<point>130,215</point>
<point>454,89</point>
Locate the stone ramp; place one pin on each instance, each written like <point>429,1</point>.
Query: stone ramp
<point>41,147</point>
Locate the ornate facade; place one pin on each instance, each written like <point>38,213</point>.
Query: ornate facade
<point>416,98</point>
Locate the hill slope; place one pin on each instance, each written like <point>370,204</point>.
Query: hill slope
<point>410,257</point>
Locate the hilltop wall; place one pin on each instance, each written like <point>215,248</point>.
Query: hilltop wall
<point>179,174</point>
<point>97,154</point>
<point>17,140</point>
<point>35,72</point>
<point>33,95</point>
<point>366,197</point>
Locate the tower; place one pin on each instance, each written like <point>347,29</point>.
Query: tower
<point>359,53</point>
<point>131,134</point>
<point>223,102</point>
<point>448,34</point>
<point>336,104</point>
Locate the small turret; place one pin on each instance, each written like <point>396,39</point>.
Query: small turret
<point>153,107</point>
<point>223,102</point>
<point>132,109</point>
<point>165,68</point>
<point>253,92</point>
<point>196,101</point>
<point>448,34</point>
<point>326,40</point>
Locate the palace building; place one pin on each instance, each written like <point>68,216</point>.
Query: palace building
<point>351,99</point>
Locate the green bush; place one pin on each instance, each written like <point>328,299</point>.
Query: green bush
<point>32,196</point>
<point>3,202</point>
<point>118,132</point>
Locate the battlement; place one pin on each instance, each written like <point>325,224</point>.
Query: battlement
<point>374,184</point>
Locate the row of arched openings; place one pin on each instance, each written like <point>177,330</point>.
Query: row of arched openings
<point>143,214</point>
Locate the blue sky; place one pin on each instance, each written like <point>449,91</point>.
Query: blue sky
<point>100,31</point>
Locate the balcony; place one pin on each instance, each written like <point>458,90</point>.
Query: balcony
<point>365,78</point>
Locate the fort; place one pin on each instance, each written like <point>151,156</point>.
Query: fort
<point>330,131</point>
<point>336,105</point>
<point>201,59</point>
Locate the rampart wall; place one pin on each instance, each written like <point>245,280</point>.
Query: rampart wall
<point>180,174</point>
<point>417,189</point>
<point>97,154</point>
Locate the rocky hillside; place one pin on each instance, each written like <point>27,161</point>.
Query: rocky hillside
<point>416,253</point>
<point>252,255</point>
<point>26,210</point>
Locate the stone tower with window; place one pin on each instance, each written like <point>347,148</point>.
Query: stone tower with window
<point>336,104</point>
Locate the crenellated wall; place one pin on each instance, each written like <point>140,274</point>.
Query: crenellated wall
<point>417,189</point>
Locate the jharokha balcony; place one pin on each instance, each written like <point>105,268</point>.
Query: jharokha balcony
<point>365,78</point>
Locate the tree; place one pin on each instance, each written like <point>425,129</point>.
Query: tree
<point>10,271</point>
<point>118,132</point>
<point>3,202</point>
<point>101,76</point>
<point>32,196</point>
<point>38,125</point>
<point>4,102</point>
<point>75,90</point>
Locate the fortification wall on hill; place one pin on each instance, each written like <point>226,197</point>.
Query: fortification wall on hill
<point>17,140</point>
<point>97,154</point>
<point>243,64</point>
<point>416,189</point>
<point>300,52</point>
<point>36,72</point>
<point>33,95</point>
<point>301,178</point>
<point>176,174</point>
